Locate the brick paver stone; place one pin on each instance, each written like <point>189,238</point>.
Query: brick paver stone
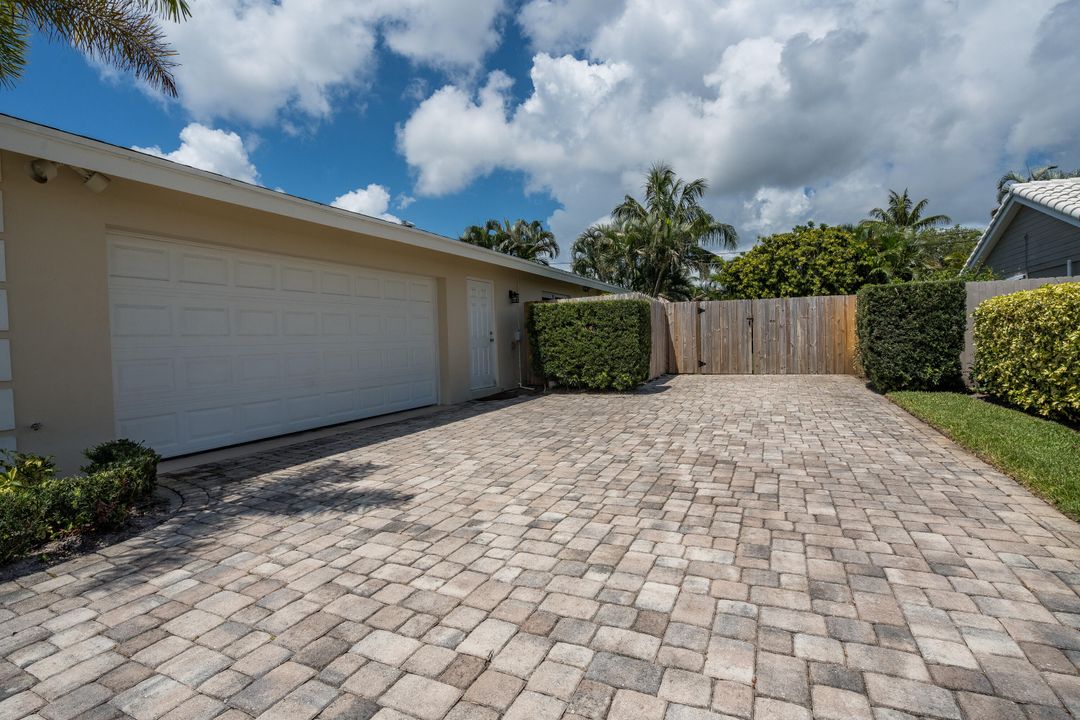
<point>765,547</point>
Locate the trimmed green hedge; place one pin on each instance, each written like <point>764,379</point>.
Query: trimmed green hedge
<point>598,345</point>
<point>36,506</point>
<point>911,335</point>
<point>1027,350</point>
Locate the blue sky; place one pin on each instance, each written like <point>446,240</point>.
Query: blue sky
<point>461,110</point>
<point>353,147</point>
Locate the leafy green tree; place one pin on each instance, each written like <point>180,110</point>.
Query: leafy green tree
<point>122,33</point>
<point>946,251</point>
<point>527,240</point>
<point>809,260</point>
<point>655,246</point>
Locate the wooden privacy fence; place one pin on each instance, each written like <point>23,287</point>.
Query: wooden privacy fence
<point>811,335</point>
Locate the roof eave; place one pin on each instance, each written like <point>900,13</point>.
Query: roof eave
<point>34,140</point>
<point>1006,211</point>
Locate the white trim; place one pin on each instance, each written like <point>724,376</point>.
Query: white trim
<point>66,148</point>
<point>1003,218</point>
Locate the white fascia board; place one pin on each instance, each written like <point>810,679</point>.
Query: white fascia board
<point>40,141</point>
<point>997,225</point>
<point>1001,221</point>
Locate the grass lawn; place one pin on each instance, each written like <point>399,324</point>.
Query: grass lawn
<point>1043,455</point>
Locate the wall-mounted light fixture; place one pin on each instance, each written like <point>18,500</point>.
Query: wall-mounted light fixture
<point>514,297</point>
<point>42,171</point>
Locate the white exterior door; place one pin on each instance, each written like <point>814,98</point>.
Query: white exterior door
<point>481,335</point>
<point>213,346</point>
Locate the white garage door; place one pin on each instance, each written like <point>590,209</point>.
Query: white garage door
<point>213,347</point>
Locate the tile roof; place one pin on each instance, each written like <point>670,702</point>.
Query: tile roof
<point>1060,195</point>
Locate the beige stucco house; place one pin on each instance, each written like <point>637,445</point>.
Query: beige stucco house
<point>146,299</point>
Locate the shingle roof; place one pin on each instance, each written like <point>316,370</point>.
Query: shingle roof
<point>1061,195</point>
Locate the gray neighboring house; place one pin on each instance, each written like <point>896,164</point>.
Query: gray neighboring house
<point>1035,233</point>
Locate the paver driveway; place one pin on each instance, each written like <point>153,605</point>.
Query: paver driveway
<point>759,547</point>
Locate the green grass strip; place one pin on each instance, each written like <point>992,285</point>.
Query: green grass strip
<point>1043,455</point>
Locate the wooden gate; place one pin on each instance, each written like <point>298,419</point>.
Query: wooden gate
<point>726,332</point>
<point>812,335</point>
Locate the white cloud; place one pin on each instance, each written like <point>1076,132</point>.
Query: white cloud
<point>793,110</point>
<point>252,60</point>
<point>455,33</point>
<point>209,149</point>
<point>373,200</point>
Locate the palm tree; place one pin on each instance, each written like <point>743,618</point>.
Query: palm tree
<point>123,33</point>
<point>485,235</point>
<point>603,252</point>
<point>532,241</point>
<point>903,212</point>
<point>655,246</point>
<point>526,240</point>
<point>1048,172</point>
<point>904,240</point>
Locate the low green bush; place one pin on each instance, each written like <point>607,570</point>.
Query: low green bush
<point>911,335</point>
<point>22,522</point>
<point>596,345</point>
<point>135,461</point>
<point>36,506</point>
<point>22,470</point>
<point>1027,350</point>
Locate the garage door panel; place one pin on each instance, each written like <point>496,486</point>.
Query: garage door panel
<point>300,323</point>
<point>214,346</point>
<point>203,270</point>
<point>259,368</point>
<point>209,372</point>
<point>216,424</point>
<point>142,320</point>
<point>157,375</point>
<point>294,279</point>
<point>256,323</point>
<point>254,275</point>
<point>160,431</point>
<point>335,283</point>
<point>204,321</point>
<point>135,262</point>
<point>336,323</point>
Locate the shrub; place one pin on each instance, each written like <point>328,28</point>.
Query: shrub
<point>1027,350</point>
<point>597,345</point>
<point>36,506</point>
<point>135,461</point>
<point>22,524</point>
<point>911,335</point>
<point>23,470</point>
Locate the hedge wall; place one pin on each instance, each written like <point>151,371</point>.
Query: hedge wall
<point>911,335</point>
<point>36,506</point>
<point>1027,350</point>
<point>595,345</point>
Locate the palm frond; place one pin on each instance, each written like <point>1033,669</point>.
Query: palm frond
<point>122,33</point>
<point>14,42</point>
